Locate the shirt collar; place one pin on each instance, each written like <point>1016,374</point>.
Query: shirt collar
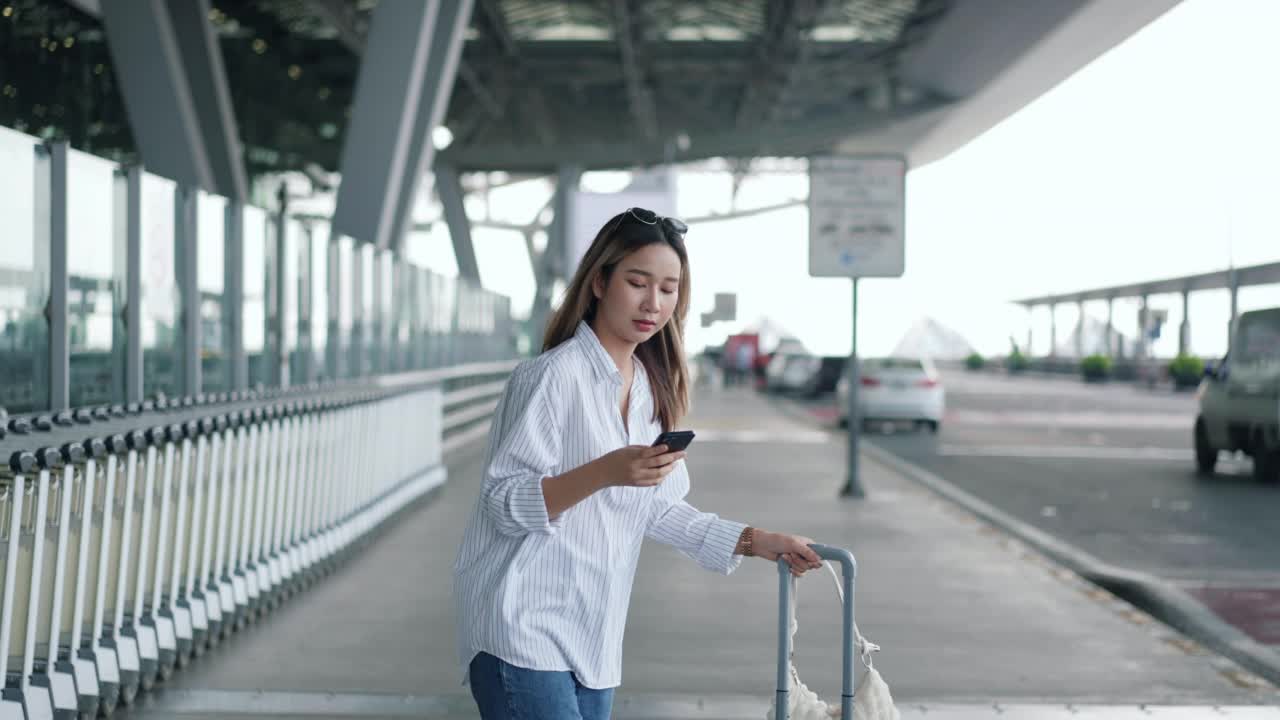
<point>599,358</point>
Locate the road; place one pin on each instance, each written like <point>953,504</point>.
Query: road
<point>1109,469</point>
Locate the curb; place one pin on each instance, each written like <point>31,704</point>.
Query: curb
<point>1160,599</point>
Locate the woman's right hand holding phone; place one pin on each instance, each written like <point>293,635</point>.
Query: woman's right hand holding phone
<point>637,466</point>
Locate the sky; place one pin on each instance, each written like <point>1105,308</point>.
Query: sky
<point>1160,158</point>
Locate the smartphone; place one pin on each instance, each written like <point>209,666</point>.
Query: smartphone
<point>675,440</point>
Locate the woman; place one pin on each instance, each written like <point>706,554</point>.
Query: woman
<point>572,487</point>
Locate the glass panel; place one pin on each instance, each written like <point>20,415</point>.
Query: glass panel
<point>160,346</point>
<point>255,293</point>
<point>319,278</point>
<point>211,235</point>
<point>445,304</point>
<point>24,281</point>
<point>406,310</point>
<point>91,278</point>
<point>384,341</point>
<point>1258,340</point>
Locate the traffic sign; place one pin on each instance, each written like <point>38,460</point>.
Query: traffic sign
<point>857,215</point>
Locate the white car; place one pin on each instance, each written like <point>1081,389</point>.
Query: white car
<point>895,390</point>
<point>1240,398</point>
<point>791,371</point>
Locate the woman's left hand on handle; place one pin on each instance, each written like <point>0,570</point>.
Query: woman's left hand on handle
<point>792,548</point>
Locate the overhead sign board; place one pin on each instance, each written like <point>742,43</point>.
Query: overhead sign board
<point>726,307</point>
<point>857,214</point>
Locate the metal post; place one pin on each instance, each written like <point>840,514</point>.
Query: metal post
<point>305,369</point>
<point>133,285</point>
<point>1184,332</point>
<point>1234,285</point>
<point>186,255</point>
<point>853,481</point>
<point>334,351</point>
<point>1031,319</point>
<point>279,355</point>
<point>59,339</point>
<point>1141,345</point>
<point>1111,351</point>
<point>1080,328</point>
<point>783,691</point>
<point>1053,330</point>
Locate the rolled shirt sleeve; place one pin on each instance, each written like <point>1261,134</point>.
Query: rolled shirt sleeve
<point>526,450</point>
<point>704,537</point>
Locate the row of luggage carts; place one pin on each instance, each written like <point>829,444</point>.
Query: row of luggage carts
<point>135,537</point>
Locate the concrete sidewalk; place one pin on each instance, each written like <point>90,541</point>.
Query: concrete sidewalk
<point>969,620</point>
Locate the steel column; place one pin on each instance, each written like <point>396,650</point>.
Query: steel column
<point>376,151</point>
<point>449,188</point>
<point>169,67</point>
<point>186,257</point>
<point>55,156</point>
<point>446,42</point>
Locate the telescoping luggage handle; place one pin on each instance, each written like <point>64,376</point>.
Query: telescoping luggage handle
<point>848,573</point>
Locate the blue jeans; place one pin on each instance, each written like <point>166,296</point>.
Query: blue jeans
<point>506,692</point>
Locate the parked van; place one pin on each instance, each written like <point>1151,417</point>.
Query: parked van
<point>1240,398</point>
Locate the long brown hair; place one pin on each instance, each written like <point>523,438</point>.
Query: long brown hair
<point>663,354</point>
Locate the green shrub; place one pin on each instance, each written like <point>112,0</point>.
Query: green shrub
<point>975,361</point>
<point>1096,367</point>
<point>1186,370</point>
<point>1016,362</point>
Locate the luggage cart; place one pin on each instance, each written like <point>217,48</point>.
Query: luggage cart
<point>66,627</point>
<point>134,537</point>
<point>14,489</point>
<point>848,575</point>
<point>136,659</point>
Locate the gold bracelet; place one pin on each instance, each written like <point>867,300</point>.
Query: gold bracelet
<point>746,539</point>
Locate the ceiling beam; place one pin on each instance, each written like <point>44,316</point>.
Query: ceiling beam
<point>353,33</point>
<point>639,96</point>
<point>498,27</point>
<point>804,22</point>
<point>514,77</point>
<point>787,49</point>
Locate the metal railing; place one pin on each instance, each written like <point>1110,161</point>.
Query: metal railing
<point>135,537</point>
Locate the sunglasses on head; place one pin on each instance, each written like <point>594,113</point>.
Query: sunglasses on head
<point>649,217</point>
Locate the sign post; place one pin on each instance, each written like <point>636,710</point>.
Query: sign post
<point>856,221</point>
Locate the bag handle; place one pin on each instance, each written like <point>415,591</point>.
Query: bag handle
<point>865,646</point>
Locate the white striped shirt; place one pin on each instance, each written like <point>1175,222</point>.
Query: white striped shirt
<point>553,594</point>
